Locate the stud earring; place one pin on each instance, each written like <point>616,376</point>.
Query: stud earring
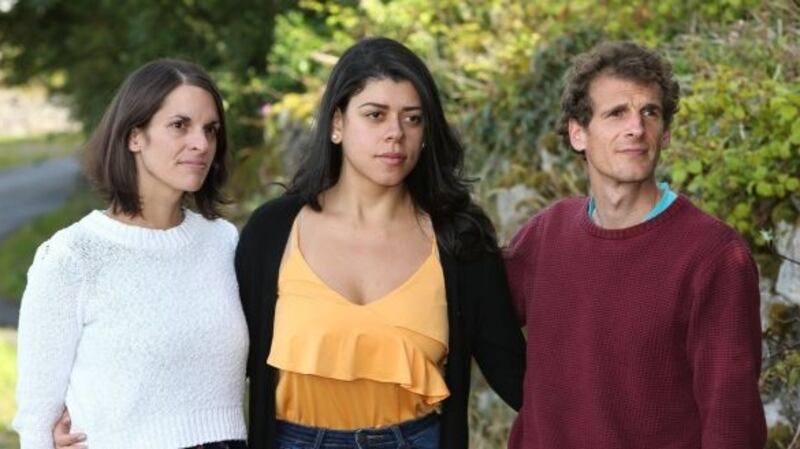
<point>336,138</point>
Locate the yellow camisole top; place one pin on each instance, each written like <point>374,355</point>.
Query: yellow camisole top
<point>346,366</point>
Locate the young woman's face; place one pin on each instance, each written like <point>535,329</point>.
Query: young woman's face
<point>175,151</point>
<point>380,133</point>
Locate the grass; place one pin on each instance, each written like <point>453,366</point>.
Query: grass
<point>17,251</point>
<point>32,149</point>
<point>8,375</point>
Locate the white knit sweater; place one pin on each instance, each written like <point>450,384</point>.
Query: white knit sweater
<point>139,332</point>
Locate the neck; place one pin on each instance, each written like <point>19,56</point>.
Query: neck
<point>364,206</point>
<point>155,215</point>
<point>623,205</point>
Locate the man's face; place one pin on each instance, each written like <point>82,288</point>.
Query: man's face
<point>625,135</point>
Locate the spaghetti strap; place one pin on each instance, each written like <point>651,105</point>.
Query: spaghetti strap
<point>294,235</point>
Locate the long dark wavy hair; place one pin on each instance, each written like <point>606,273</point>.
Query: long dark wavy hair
<point>436,184</point>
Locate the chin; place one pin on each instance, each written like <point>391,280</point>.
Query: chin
<point>192,187</point>
<point>392,184</point>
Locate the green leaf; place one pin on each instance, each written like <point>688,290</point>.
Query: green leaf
<point>742,210</point>
<point>679,176</point>
<point>787,112</point>
<point>764,188</point>
<point>794,377</point>
<point>695,167</point>
<point>795,136</point>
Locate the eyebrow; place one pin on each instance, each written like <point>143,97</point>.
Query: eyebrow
<point>384,106</point>
<point>185,118</point>
<point>181,117</point>
<point>624,106</point>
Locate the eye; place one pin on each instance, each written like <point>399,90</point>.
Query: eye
<point>414,119</point>
<point>616,113</point>
<point>178,124</point>
<point>651,112</point>
<point>212,131</point>
<point>375,115</point>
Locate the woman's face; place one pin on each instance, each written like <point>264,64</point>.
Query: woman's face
<point>175,151</point>
<point>380,133</point>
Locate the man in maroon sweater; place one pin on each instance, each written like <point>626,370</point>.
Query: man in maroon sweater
<point>642,311</point>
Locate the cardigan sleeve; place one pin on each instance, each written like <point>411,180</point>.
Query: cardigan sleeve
<point>245,264</point>
<point>47,340</point>
<point>724,349</point>
<point>498,344</point>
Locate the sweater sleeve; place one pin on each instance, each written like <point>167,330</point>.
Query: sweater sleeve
<point>517,263</point>
<point>499,346</point>
<point>47,340</point>
<point>724,349</point>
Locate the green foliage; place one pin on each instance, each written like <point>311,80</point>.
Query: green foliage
<point>8,376</point>
<point>85,48</point>
<point>736,148</point>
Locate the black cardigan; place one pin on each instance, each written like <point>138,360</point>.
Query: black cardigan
<point>480,319</point>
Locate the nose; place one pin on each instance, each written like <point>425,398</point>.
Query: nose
<point>200,140</point>
<point>394,129</point>
<point>635,126</point>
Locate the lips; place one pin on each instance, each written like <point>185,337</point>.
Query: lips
<point>194,164</point>
<point>633,151</point>
<point>392,158</point>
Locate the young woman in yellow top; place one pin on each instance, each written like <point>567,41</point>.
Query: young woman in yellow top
<point>369,286</point>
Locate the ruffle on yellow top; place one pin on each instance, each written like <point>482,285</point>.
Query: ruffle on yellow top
<point>346,366</point>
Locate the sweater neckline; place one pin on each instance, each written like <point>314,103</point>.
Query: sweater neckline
<point>632,231</point>
<point>140,237</point>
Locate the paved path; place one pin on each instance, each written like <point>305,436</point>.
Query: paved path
<point>27,192</point>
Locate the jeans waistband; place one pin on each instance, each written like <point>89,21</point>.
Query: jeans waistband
<point>319,437</point>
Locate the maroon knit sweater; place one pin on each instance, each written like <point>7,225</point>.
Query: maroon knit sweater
<point>641,338</point>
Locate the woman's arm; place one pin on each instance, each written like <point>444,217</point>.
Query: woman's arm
<point>49,331</point>
<point>498,343</point>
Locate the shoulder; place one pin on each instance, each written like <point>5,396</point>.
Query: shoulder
<point>281,208</point>
<point>221,227</point>
<point>64,250</point>
<point>566,209</point>
<point>711,241</point>
<point>700,218</point>
<point>476,264</point>
<point>707,228</point>
<point>269,225</point>
<point>274,215</point>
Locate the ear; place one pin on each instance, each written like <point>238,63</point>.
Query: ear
<point>577,136</point>
<point>135,140</point>
<point>338,121</point>
<point>665,139</point>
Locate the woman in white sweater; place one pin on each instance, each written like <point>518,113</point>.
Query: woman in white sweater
<point>131,317</point>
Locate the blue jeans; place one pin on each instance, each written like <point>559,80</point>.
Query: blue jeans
<point>420,433</point>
